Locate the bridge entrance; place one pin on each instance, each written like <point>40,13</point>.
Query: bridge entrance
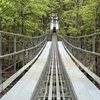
<point>54,23</point>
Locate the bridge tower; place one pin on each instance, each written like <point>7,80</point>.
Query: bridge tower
<point>54,23</point>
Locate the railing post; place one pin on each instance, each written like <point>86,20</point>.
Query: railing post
<point>81,46</point>
<point>74,43</point>
<point>14,48</point>
<point>1,51</point>
<point>46,38</point>
<point>33,49</point>
<point>32,42</point>
<point>94,49</point>
<point>23,52</point>
<point>85,56</point>
<point>14,51</point>
<point>29,55</point>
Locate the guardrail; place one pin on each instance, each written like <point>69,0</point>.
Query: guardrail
<point>16,51</point>
<point>85,50</point>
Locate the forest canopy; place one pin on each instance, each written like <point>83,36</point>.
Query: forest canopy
<point>32,17</point>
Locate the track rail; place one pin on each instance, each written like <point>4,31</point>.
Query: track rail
<point>53,85</point>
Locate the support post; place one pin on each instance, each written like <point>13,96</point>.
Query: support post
<point>29,55</point>
<point>33,50</point>
<point>93,49</point>
<point>14,48</point>
<point>81,46</point>
<point>23,52</point>
<point>1,52</point>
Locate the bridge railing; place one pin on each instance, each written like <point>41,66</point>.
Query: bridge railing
<point>85,49</point>
<point>16,51</point>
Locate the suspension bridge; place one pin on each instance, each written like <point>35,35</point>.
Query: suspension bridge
<point>38,69</point>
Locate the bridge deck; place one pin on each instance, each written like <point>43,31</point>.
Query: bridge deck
<point>24,88</point>
<point>83,88</point>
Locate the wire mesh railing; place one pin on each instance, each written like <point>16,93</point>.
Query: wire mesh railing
<point>16,51</point>
<point>86,49</point>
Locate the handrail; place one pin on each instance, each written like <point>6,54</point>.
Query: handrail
<point>94,76</point>
<point>78,48</point>
<point>75,50</point>
<point>93,34</point>
<point>20,35</point>
<point>5,84</point>
<point>24,50</point>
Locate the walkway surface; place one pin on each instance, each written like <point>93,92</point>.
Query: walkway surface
<point>83,88</point>
<point>24,88</point>
<point>63,71</point>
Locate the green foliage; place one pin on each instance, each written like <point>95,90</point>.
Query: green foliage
<point>26,15</point>
<point>72,30</point>
<point>77,17</point>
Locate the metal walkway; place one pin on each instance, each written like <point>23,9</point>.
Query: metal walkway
<point>54,76</point>
<point>54,85</point>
